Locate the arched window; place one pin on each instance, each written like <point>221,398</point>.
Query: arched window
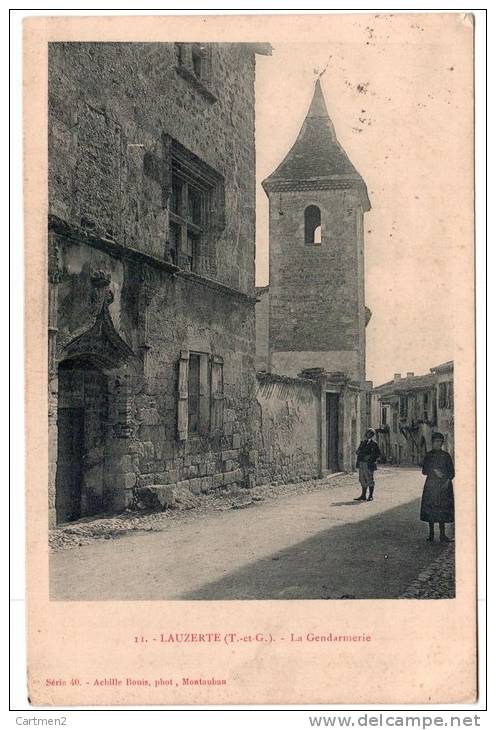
<point>313,228</point>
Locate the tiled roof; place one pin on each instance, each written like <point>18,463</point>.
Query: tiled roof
<point>406,384</point>
<point>443,367</point>
<point>316,160</point>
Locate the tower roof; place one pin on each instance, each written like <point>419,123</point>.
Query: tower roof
<point>316,161</point>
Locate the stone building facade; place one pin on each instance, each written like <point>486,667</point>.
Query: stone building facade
<point>313,314</point>
<point>407,410</point>
<point>151,242</point>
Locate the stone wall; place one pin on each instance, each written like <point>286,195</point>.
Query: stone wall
<point>181,315</point>
<point>262,329</point>
<point>288,429</point>
<point>116,299</point>
<point>113,109</point>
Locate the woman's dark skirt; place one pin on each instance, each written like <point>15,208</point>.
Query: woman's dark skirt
<point>438,502</point>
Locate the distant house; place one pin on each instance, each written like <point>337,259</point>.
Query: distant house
<point>406,411</point>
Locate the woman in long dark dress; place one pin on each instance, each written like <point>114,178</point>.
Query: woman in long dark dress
<point>438,504</point>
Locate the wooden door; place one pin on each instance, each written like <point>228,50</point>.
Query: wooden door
<point>69,464</point>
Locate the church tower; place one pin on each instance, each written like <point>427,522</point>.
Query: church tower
<point>317,313</point>
<point>316,308</point>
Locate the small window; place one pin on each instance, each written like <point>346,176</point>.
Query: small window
<point>197,59</point>
<point>384,416</point>
<point>395,422</point>
<point>403,406</point>
<point>194,63</point>
<point>313,227</point>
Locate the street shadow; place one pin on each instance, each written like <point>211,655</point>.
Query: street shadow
<point>375,558</point>
<point>353,503</point>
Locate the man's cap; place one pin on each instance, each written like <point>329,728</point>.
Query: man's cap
<point>436,436</point>
<point>370,431</point>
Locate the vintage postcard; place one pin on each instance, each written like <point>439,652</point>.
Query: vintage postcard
<point>250,359</point>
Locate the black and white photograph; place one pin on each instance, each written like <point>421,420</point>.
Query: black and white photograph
<point>232,413</point>
<point>250,426</point>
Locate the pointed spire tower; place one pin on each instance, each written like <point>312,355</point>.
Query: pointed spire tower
<point>317,313</point>
<point>317,160</point>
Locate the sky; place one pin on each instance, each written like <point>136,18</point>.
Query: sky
<point>398,90</point>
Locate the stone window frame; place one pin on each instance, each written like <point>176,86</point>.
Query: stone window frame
<point>192,173</point>
<point>194,64</point>
<point>210,405</point>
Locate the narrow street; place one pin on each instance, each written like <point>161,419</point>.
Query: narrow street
<point>318,544</point>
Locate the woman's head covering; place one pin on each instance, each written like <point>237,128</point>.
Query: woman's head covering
<point>436,436</point>
<point>370,432</point>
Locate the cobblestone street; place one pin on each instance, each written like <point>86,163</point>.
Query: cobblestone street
<point>437,580</point>
<point>306,540</point>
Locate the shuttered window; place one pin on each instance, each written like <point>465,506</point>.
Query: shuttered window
<point>203,396</point>
<point>217,391</point>
<point>200,385</point>
<point>194,393</point>
<point>182,396</point>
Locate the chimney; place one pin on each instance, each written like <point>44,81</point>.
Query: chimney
<point>369,384</point>
<point>397,376</point>
<point>410,375</point>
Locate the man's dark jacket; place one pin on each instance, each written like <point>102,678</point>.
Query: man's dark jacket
<point>368,451</point>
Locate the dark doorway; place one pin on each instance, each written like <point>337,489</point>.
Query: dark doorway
<point>81,424</point>
<point>332,423</point>
<point>69,463</point>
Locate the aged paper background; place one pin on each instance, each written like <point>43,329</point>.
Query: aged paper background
<point>420,651</point>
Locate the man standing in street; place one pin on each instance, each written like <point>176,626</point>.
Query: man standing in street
<point>367,454</point>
